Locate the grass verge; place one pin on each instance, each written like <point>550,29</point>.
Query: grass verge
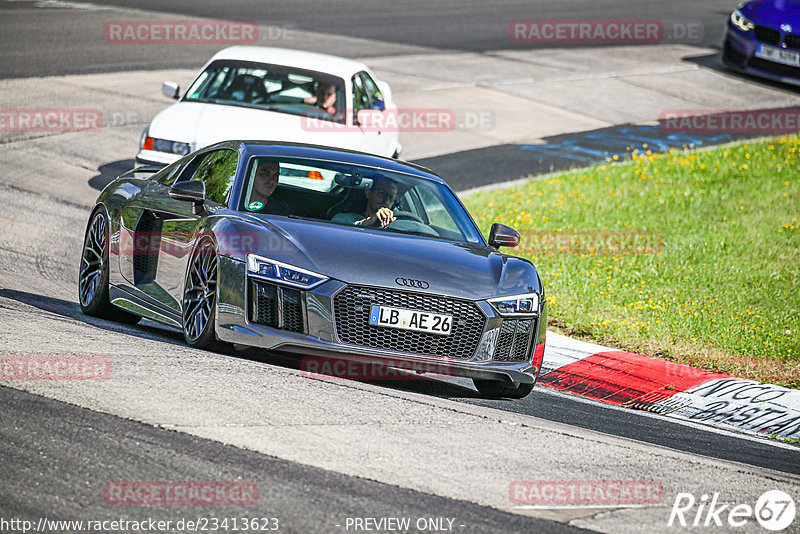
<point>689,256</point>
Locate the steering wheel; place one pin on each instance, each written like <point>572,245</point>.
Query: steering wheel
<point>406,216</point>
<point>409,226</point>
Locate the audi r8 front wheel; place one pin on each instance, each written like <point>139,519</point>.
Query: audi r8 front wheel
<point>200,297</point>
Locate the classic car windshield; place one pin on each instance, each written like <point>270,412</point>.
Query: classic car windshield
<point>271,87</point>
<point>337,193</point>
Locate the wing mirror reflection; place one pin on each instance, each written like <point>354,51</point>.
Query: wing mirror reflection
<point>190,191</point>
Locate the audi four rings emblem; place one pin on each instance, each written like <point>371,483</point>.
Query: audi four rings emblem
<point>410,282</point>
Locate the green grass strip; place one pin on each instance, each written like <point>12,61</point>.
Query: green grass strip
<point>690,256</point>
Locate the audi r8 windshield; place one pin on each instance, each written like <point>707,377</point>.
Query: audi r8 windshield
<point>347,195</point>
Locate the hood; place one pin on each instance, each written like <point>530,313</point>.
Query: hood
<point>773,13</point>
<point>202,124</point>
<point>378,258</point>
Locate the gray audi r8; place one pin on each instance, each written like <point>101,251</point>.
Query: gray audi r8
<point>317,252</point>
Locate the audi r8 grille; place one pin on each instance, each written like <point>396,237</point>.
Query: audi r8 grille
<point>513,343</point>
<point>352,308</point>
<point>276,307</point>
<point>767,35</point>
<point>792,40</point>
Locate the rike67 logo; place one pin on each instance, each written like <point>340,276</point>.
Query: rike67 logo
<point>774,510</point>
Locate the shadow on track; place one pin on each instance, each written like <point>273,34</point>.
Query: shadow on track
<point>109,172</point>
<point>713,62</point>
<point>380,375</point>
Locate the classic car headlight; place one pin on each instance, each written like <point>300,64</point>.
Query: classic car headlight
<point>516,305</point>
<point>741,22</point>
<point>162,145</point>
<point>276,271</point>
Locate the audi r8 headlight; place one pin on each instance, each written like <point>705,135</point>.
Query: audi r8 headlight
<point>516,305</point>
<point>283,273</point>
<point>741,22</point>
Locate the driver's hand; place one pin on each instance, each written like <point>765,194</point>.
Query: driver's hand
<point>383,216</point>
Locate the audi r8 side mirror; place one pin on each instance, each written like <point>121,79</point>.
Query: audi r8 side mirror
<point>502,236</point>
<point>190,191</point>
<point>170,89</point>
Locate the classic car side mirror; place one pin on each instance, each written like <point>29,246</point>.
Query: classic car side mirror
<point>502,236</point>
<point>370,119</point>
<point>190,191</point>
<point>170,89</point>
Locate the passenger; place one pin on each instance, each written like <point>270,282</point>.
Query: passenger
<point>324,97</point>
<point>265,181</point>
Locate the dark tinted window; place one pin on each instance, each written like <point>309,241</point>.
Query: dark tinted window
<point>217,169</point>
<point>168,174</point>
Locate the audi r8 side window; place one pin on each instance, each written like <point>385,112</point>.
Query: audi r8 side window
<point>217,169</point>
<point>169,174</point>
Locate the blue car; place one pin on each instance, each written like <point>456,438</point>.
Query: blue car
<point>763,39</point>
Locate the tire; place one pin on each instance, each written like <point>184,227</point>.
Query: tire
<point>93,273</point>
<point>496,389</point>
<point>200,297</point>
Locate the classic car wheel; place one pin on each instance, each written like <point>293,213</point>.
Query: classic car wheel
<point>497,389</point>
<point>200,297</point>
<point>93,275</point>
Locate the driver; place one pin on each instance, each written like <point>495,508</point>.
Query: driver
<point>265,181</point>
<point>380,198</point>
<point>324,97</point>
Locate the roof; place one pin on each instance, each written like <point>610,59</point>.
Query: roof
<point>302,150</point>
<point>292,58</point>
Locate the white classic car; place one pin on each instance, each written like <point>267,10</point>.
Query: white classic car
<point>254,92</point>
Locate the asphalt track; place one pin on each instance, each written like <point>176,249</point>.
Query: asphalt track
<point>39,42</point>
<point>79,452</point>
<point>542,403</point>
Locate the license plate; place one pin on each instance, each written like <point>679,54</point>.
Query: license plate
<point>418,321</point>
<point>778,55</point>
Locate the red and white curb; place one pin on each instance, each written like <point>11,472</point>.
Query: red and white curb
<point>674,390</point>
